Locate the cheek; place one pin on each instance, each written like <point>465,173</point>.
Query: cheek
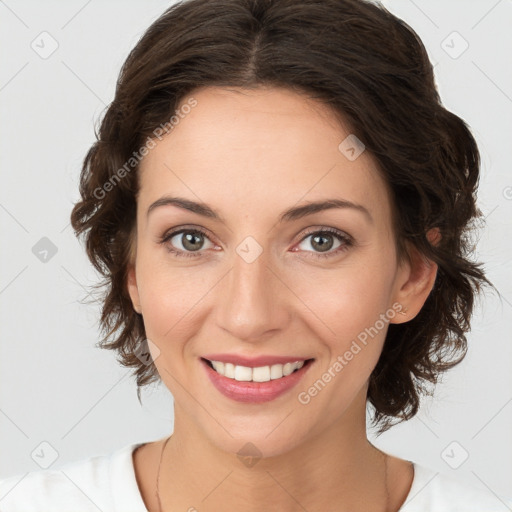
<point>346,300</point>
<point>338,305</point>
<point>351,316</point>
<point>167,293</point>
<point>168,298</point>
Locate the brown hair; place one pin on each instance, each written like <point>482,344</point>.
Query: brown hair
<point>372,69</point>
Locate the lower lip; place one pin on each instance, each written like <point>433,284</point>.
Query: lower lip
<point>254,392</point>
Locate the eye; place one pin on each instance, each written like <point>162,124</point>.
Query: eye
<point>191,243</point>
<point>323,240</point>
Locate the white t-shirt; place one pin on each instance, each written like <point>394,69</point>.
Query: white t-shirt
<point>107,483</point>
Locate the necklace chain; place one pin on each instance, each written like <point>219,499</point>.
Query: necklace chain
<point>167,440</point>
<point>158,476</point>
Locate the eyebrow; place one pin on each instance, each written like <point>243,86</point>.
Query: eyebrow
<point>291,214</point>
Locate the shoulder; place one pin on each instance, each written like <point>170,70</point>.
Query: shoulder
<point>101,482</point>
<point>432,490</point>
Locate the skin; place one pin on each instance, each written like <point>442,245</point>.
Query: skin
<point>251,154</point>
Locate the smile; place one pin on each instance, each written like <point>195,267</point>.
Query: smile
<point>254,384</point>
<point>257,374</point>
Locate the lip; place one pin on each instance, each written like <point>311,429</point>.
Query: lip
<point>255,392</point>
<point>254,362</point>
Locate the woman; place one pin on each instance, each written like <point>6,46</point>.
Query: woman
<point>278,202</point>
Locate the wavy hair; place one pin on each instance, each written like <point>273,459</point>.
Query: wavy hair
<point>372,70</point>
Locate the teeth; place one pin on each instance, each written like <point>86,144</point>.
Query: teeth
<point>261,374</point>
<point>229,370</point>
<point>219,367</point>
<point>288,368</point>
<point>276,371</point>
<point>243,373</point>
<point>258,374</point>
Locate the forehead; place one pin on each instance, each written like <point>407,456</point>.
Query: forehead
<point>244,149</point>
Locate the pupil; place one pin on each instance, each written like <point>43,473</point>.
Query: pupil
<point>189,238</point>
<point>323,246</point>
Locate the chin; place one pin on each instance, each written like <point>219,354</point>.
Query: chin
<point>260,437</point>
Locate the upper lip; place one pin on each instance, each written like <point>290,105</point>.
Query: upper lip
<point>253,362</point>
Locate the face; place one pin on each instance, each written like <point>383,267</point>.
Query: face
<point>243,281</point>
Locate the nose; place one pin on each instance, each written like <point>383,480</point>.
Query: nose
<point>251,301</point>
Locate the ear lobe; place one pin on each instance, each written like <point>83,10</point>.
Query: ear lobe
<point>133,290</point>
<point>418,280</point>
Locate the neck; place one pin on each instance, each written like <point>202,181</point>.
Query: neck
<point>338,466</point>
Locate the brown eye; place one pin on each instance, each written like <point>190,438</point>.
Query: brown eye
<point>191,241</point>
<point>324,240</point>
<point>185,242</point>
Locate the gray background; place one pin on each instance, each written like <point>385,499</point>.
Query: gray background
<point>56,388</point>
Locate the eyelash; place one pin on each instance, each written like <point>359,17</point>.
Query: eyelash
<point>346,240</point>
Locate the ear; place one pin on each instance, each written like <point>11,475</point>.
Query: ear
<point>415,281</point>
<point>133,290</point>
